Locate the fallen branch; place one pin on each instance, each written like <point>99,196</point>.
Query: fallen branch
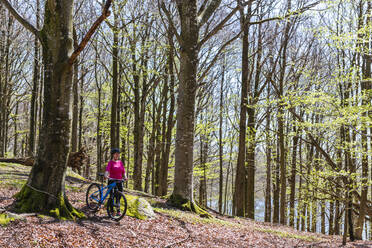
<point>76,160</point>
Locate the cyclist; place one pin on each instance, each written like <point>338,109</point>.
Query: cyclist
<point>115,171</point>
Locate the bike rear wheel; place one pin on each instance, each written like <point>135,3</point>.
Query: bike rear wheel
<point>117,206</point>
<point>93,196</point>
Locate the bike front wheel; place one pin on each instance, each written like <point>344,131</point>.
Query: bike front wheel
<point>117,206</point>
<point>93,196</point>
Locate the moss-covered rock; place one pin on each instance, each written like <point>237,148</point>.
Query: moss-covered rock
<point>179,202</point>
<point>5,219</point>
<point>139,208</point>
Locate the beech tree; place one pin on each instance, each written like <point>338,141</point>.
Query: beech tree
<point>45,188</point>
<point>191,21</point>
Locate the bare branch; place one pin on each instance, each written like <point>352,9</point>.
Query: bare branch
<point>171,23</point>
<point>206,13</point>
<point>219,26</point>
<point>217,55</point>
<point>20,19</point>
<point>292,13</point>
<point>89,34</point>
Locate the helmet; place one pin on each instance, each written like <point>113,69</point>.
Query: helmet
<point>115,150</point>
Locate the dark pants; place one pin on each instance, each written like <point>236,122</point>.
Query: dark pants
<point>119,187</point>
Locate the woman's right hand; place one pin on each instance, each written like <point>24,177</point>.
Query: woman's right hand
<point>107,174</point>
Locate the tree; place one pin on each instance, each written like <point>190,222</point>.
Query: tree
<point>45,189</point>
<point>191,20</point>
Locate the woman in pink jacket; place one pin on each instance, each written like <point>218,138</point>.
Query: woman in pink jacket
<point>115,171</point>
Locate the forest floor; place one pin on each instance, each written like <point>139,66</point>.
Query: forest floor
<point>170,227</point>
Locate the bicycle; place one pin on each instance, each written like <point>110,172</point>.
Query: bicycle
<point>117,203</point>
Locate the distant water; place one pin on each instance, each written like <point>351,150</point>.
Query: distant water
<point>260,214</point>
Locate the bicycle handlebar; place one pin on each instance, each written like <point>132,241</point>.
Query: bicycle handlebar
<point>116,179</point>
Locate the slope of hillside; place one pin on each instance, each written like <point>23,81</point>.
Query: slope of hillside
<point>170,227</point>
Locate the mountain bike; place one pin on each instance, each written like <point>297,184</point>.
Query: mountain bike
<point>117,203</point>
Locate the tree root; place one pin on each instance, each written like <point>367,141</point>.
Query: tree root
<point>29,200</point>
<point>187,205</point>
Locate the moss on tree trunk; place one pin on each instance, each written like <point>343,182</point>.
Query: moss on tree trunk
<point>29,200</point>
<point>179,202</point>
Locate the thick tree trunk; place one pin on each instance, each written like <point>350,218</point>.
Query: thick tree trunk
<point>183,178</point>
<point>365,86</point>
<point>45,188</point>
<point>2,57</point>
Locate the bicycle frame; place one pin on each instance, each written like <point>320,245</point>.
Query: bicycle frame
<point>104,190</point>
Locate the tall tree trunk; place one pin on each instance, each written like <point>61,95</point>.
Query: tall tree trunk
<point>183,178</point>
<point>268,162</point>
<point>322,217</point>
<point>48,175</point>
<point>98,131</point>
<point>151,149</point>
<point>139,114</point>
<point>81,108</point>
<point>35,86</point>
<point>310,150</point>
<point>331,218</point>
<point>300,205</point>
<point>240,181</point>
<point>293,178</point>
<point>15,147</point>
<point>365,86</point>
<point>2,82</point>
<point>220,142</point>
<point>170,120</point>
<point>4,127</point>
<point>251,168</point>
<point>75,103</point>
<point>203,165</point>
<point>115,85</point>
<point>314,201</point>
<point>229,168</point>
<point>45,187</point>
<point>283,177</point>
<point>276,186</point>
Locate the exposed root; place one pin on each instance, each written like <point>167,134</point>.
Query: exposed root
<point>32,201</point>
<point>186,205</point>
